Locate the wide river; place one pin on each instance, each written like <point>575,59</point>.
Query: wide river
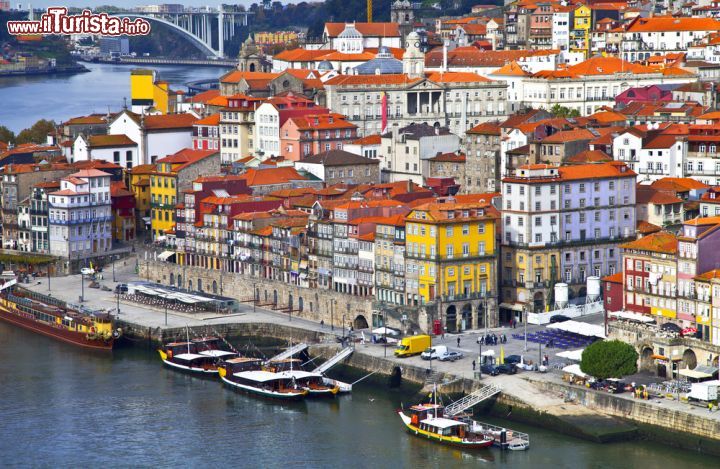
<point>64,407</point>
<point>24,100</point>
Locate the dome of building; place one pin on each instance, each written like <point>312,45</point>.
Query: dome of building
<point>325,66</point>
<point>350,32</point>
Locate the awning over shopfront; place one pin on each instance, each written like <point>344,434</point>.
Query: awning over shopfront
<point>575,355</point>
<point>574,370</point>
<point>165,255</point>
<point>581,328</point>
<point>512,306</point>
<point>695,374</point>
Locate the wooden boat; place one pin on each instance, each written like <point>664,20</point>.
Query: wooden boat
<point>314,383</point>
<point>201,355</point>
<point>42,314</point>
<point>213,347</point>
<point>265,383</point>
<point>427,421</point>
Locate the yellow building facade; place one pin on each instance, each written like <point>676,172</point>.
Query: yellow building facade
<point>145,91</point>
<point>580,34</point>
<point>452,249</point>
<point>163,197</point>
<point>139,184</point>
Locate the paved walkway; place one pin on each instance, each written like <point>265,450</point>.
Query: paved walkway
<point>69,289</point>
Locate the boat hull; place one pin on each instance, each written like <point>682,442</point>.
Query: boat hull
<point>324,392</point>
<point>285,396</point>
<point>445,440</point>
<point>189,369</point>
<point>71,337</point>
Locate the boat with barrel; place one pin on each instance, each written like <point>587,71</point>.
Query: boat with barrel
<point>48,316</point>
<point>247,374</point>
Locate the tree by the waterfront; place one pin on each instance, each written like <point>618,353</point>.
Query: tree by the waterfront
<point>609,359</point>
<point>37,133</point>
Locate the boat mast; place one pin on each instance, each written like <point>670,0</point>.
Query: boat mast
<point>435,397</point>
<point>187,335</point>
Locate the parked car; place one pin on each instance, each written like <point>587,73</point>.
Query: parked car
<point>87,271</point>
<point>489,369</point>
<point>507,368</point>
<point>435,352</point>
<point>558,318</point>
<point>514,359</point>
<point>451,356</point>
<point>121,288</point>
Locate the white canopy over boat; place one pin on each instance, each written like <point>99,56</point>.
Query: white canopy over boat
<point>215,353</point>
<point>188,356</point>
<point>258,376</point>
<point>441,422</point>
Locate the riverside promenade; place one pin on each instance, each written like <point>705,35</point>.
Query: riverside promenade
<point>540,398</point>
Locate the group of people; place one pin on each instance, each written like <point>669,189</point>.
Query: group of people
<point>492,339</point>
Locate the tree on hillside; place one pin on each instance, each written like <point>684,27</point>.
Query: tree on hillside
<point>6,135</point>
<point>37,133</point>
<point>609,359</point>
<point>562,111</point>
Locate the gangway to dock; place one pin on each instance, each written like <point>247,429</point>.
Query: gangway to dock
<point>471,399</point>
<point>294,350</point>
<point>340,356</point>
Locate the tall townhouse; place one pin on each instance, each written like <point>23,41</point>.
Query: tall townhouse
<point>390,261</point>
<point>451,256</point>
<point>562,224</point>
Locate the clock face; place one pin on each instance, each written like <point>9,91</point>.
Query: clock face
<point>417,44</point>
<point>407,44</point>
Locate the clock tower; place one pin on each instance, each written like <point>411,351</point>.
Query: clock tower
<point>413,58</point>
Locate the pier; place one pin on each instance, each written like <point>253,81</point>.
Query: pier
<point>539,399</point>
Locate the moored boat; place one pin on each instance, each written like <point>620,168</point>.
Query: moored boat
<point>427,421</point>
<point>265,384</point>
<point>314,383</point>
<point>51,317</point>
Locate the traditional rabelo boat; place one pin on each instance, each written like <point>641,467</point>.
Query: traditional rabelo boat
<point>427,421</point>
<point>248,374</point>
<point>54,318</point>
<point>214,347</point>
<point>201,355</point>
<point>314,383</point>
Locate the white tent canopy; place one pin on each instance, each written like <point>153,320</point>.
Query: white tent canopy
<point>385,330</point>
<point>632,316</point>
<point>575,355</point>
<point>488,353</point>
<point>575,370</point>
<point>163,256</point>
<point>581,328</point>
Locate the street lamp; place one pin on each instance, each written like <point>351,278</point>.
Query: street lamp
<point>343,325</point>
<point>332,315</point>
<point>117,290</point>
<point>166,303</point>
<point>385,332</point>
<point>479,368</point>
<point>113,268</point>
<point>82,286</point>
<point>525,324</point>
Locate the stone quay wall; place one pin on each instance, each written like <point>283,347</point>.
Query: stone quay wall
<point>313,304</point>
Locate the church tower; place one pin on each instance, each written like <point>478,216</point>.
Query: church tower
<point>402,13</point>
<point>251,57</point>
<point>413,58</point>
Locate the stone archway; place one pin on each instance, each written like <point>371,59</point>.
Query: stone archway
<point>451,318</point>
<point>689,359</point>
<point>301,304</point>
<point>275,297</point>
<point>172,279</point>
<point>360,322</point>
<point>190,285</point>
<point>538,302</point>
<point>646,360</point>
<point>481,314</point>
<point>179,281</point>
<point>199,284</point>
<point>466,317</point>
<point>214,287</point>
<point>290,301</point>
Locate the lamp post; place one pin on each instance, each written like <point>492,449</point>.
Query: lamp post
<point>332,315</point>
<point>113,268</point>
<point>525,324</point>
<point>479,363</point>
<point>117,291</point>
<point>385,333</point>
<point>343,325</point>
<point>82,286</point>
<point>166,311</point>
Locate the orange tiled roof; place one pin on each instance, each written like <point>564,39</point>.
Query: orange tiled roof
<point>271,176</point>
<point>236,76</point>
<point>678,184</point>
<point>455,77</point>
<point>569,136</point>
<point>595,170</point>
<point>645,228</point>
<point>169,121</point>
<point>671,23</point>
<point>703,221</point>
<point>86,120</point>
<point>661,242</point>
<point>388,79</point>
<point>368,140</point>
<point>709,275</point>
<point>511,69</point>
<point>204,96</point>
<point>212,119</point>
<point>614,278</point>
<point>100,141</point>
<point>486,128</point>
<point>589,156</point>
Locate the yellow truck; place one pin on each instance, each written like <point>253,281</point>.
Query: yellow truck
<point>413,345</point>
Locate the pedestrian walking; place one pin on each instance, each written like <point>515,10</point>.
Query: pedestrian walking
<point>322,324</point>
<point>473,363</point>
<point>458,341</point>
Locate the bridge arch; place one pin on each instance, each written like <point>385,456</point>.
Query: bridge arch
<point>195,40</point>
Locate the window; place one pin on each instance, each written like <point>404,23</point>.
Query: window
<point>538,221</point>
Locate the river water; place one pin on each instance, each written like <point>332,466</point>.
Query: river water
<point>24,100</point>
<point>64,407</point>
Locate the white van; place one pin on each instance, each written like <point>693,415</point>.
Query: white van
<point>434,353</point>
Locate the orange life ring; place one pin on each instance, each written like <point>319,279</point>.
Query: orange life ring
<point>169,353</point>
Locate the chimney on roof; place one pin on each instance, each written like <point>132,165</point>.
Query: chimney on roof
<point>409,186</point>
<point>445,51</point>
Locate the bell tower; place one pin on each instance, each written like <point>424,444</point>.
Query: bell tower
<point>413,58</point>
